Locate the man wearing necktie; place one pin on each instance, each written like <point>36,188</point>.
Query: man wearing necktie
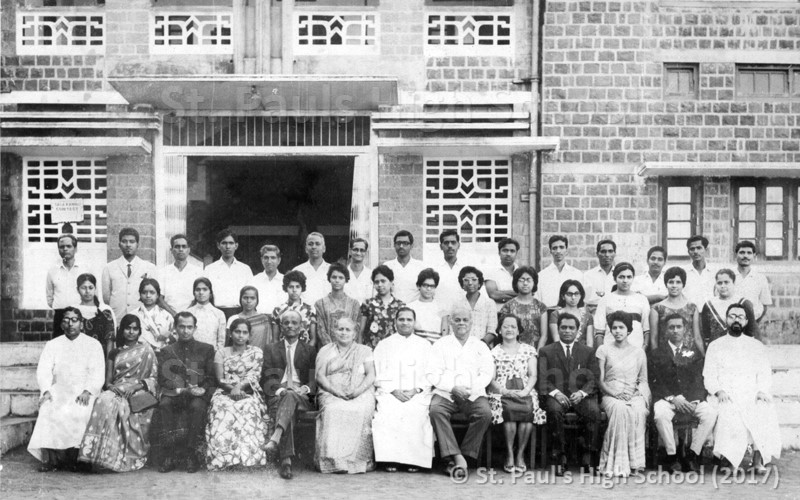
<point>676,380</point>
<point>122,277</point>
<point>287,377</point>
<point>567,382</point>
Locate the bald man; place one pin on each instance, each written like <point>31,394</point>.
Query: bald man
<point>315,269</point>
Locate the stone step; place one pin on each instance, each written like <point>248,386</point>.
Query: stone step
<point>784,356</point>
<point>20,353</point>
<point>786,381</point>
<point>19,403</point>
<point>18,378</point>
<point>15,431</point>
<point>790,437</point>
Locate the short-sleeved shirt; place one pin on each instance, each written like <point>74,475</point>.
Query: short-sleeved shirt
<point>228,281</point>
<point>270,291</point>
<point>645,285</point>
<point>176,285</point>
<point>550,281</point>
<point>596,280</point>
<point>62,286</point>
<point>405,279</point>
<point>502,279</point>
<point>700,286</point>
<point>317,285</point>
<point>755,288</point>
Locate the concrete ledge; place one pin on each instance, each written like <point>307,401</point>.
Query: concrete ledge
<point>20,353</point>
<point>15,432</point>
<point>790,437</point>
<point>18,378</point>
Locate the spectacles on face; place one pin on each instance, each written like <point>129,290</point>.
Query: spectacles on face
<point>525,280</point>
<point>737,316</point>
<point>402,243</point>
<point>428,285</point>
<point>357,250</point>
<point>573,294</point>
<point>71,320</point>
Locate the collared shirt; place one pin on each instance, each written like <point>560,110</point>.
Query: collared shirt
<point>674,348</point>
<point>176,284</point>
<point>401,363</point>
<point>289,349</point>
<point>645,285</point>
<point>484,314</point>
<point>405,279</point>
<point>550,281</point>
<point>317,285</point>
<point>502,279</point>
<point>571,352</point>
<point>62,286</point>
<point>270,291</point>
<point>470,365</point>
<point>120,291</point>
<point>755,288</point>
<point>596,280</point>
<point>449,290</point>
<point>210,325</point>
<point>228,281</point>
<point>360,287</point>
<point>700,286</point>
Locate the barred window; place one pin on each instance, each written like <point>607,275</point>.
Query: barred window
<point>681,212</point>
<point>762,214</point>
<point>472,196</point>
<point>56,179</point>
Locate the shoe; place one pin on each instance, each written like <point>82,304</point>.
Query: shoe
<point>46,467</point>
<point>675,464</point>
<point>760,470</point>
<point>192,465</point>
<point>271,449</point>
<point>391,468</point>
<point>561,465</point>
<point>586,463</point>
<point>412,469</point>
<point>509,468</point>
<point>692,462</point>
<point>286,471</point>
<point>167,465</point>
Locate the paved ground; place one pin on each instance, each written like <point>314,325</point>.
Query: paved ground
<point>19,479</point>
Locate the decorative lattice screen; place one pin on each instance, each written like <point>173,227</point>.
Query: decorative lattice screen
<point>329,32</point>
<point>48,33</point>
<point>184,33</point>
<point>472,33</point>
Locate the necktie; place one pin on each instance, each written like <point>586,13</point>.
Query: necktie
<point>569,355</point>
<point>129,270</point>
<point>289,368</point>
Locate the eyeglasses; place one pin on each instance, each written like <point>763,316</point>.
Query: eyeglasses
<point>525,280</point>
<point>573,294</point>
<point>428,285</point>
<point>402,243</point>
<point>358,250</point>
<point>737,316</point>
<point>70,320</point>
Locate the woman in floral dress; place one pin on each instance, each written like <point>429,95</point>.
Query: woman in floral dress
<point>294,284</point>
<point>378,313</point>
<point>237,427</point>
<point>528,309</point>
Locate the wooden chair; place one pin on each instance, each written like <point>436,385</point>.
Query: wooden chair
<point>571,424</point>
<point>682,424</point>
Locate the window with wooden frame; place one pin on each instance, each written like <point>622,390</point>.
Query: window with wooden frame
<point>681,209</point>
<point>681,80</point>
<point>765,211</point>
<point>767,81</point>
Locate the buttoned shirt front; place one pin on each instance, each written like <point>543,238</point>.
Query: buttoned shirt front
<point>550,281</point>
<point>596,280</point>
<point>228,281</point>
<point>700,285</point>
<point>755,288</point>
<point>62,285</point>
<point>401,363</point>
<point>317,285</point>
<point>645,285</point>
<point>405,279</point>
<point>451,364</point>
<point>176,284</point>
<point>120,291</point>
<point>270,291</point>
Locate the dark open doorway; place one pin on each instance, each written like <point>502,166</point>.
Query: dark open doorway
<point>277,200</point>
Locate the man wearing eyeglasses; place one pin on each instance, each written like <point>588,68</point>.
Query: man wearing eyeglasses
<point>738,376</point>
<point>360,284</point>
<point>405,267</point>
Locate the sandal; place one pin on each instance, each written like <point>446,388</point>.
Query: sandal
<point>391,468</point>
<point>412,469</point>
<point>509,468</point>
<point>451,466</point>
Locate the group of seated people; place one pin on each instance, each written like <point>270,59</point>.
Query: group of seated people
<point>386,376</point>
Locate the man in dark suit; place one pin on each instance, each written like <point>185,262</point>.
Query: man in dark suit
<point>675,371</point>
<point>568,381</point>
<point>187,381</point>
<point>288,386</point>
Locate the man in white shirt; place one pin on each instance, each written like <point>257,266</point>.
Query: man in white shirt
<point>460,369</point>
<point>700,275</point>
<point>750,283</point>
<point>406,269</point>
<point>499,279</point>
<point>553,276</point>
<point>61,286</point>
<point>227,274</point>
<point>121,277</point>
<point>177,279</point>
<point>599,280</point>
<point>360,285</point>
<point>449,267</point>
<point>315,269</point>
<point>651,284</point>
<point>269,283</point>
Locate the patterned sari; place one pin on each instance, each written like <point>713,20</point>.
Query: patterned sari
<point>236,430</point>
<point>116,438</point>
<point>344,427</point>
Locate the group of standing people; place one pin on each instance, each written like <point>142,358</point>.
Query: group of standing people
<point>226,361</point>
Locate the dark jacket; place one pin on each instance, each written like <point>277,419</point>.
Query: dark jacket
<point>275,366</point>
<point>670,378</point>
<point>555,373</point>
<point>187,363</point>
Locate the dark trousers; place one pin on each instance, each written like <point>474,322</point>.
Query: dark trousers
<point>194,410</point>
<point>287,404</point>
<point>589,412</point>
<point>58,315</point>
<point>479,415</point>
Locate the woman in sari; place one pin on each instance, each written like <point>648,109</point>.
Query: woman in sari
<point>623,298</point>
<point>116,437</point>
<point>345,374</point>
<point>713,324</point>
<point>259,322</point>
<point>336,305</point>
<point>98,319</point>
<point>237,428</point>
<point>675,303</point>
<point>626,398</point>
<point>156,322</point>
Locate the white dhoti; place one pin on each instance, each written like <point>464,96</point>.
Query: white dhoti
<point>740,424</point>
<point>61,422</point>
<point>402,432</point>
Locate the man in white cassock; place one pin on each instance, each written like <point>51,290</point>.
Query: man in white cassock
<point>738,376</point>
<point>401,429</point>
<point>70,374</point>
